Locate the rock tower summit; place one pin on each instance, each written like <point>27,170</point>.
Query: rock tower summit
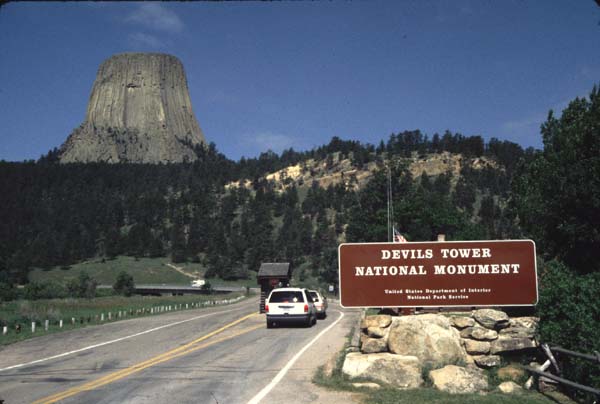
<point>139,112</point>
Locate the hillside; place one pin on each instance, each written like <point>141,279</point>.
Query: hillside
<point>296,206</point>
<point>336,170</point>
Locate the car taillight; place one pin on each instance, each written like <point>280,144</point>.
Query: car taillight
<point>306,308</point>
<point>266,308</point>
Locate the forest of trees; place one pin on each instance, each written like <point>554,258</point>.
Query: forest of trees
<point>59,214</point>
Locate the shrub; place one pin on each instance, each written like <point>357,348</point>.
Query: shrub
<point>569,309</point>
<point>7,292</point>
<point>124,284</point>
<point>48,290</point>
<point>207,287</point>
<point>83,286</point>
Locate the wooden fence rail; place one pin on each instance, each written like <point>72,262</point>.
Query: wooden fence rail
<point>541,371</point>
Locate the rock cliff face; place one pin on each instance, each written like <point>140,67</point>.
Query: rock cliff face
<point>139,112</point>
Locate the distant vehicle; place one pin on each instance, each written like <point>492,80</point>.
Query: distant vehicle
<point>290,305</point>
<point>198,283</point>
<point>320,302</point>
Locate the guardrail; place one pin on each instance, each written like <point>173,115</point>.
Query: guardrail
<point>160,289</point>
<point>551,361</point>
<point>102,317</point>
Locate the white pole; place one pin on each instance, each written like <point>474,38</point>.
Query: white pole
<point>46,325</point>
<point>102,317</point>
<point>32,327</point>
<point>60,323</point>
<point>4,330</point>
<point>388,203</point>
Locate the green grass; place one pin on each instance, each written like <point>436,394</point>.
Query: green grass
<point>390,395</point>
<point>430,395</point>
<point>88,311</point>
<point>143,271</point>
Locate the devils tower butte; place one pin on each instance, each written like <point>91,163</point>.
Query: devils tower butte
<point>139,112</point>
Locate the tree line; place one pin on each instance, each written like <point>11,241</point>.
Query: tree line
<point>59,214</point>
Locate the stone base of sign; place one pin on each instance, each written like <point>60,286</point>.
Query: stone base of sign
<point>480,339</point>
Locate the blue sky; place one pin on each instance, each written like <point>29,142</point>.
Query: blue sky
<point>273,75</point>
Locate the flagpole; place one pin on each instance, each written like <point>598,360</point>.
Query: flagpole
<point>389,198</point>
<point>391,206</point>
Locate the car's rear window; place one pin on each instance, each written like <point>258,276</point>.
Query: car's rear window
<point>314,296</point>
<point>287,297</point>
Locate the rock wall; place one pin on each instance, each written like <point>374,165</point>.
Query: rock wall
<point>139,112</point>
<point>441,342</point>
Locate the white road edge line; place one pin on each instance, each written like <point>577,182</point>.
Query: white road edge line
<point>267,389</point>
<point>115,340</point>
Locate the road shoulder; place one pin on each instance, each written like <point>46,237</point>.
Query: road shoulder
<point>298,382</point>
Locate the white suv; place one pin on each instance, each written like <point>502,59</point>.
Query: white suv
<point>290,305</point>
<point>320,302</point>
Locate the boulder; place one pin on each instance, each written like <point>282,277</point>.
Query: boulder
<point>466,332</point>
<point>479,333</point>
<point>521,327</point>
<point>474,347</point>
<point>458,380</point>
<point>488,361</point>
<point>507,344</point>
<point>483,334</point>
<point>462,322</point>
<point>518,332</point>
<point>379,320</point>
<point>429,337</point>
<point>374,345</point>
<point>524,322</point>
<point>363,339</point>
<point>509,388</point>
<point>396,370</point>
<point>377,332</point>
<point>492,319</point>
<point>511,373</point>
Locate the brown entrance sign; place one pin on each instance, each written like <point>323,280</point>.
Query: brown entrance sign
<point>454,273</point>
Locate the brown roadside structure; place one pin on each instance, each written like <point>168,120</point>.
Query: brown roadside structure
<point>270,276</point>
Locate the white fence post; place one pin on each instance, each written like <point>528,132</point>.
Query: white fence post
<point>4,330</point>
<point>32,327</point>
<point>60,323</point>
<point>46,323</point>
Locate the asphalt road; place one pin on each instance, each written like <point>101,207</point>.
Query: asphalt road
<point>219,355</point>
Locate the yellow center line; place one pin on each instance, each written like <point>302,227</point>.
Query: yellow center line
<point>174,353</point>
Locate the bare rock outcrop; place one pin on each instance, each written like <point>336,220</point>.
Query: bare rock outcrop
<point>139,112</point>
